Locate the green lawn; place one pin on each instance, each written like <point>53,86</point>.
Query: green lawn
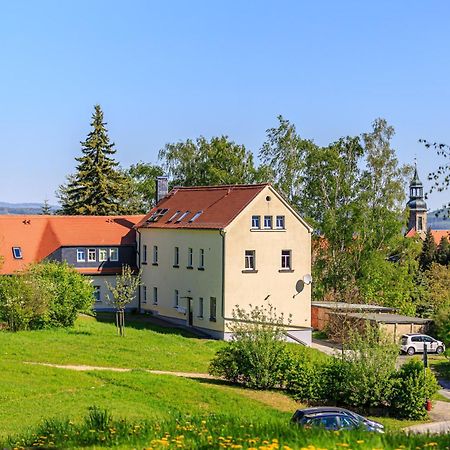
<point>31,393</point>
<point>92,342</point>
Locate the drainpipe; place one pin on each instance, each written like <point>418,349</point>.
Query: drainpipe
<point>139,267</point>
<point>223,233</point>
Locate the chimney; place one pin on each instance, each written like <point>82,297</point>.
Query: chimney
<point>162,188</point>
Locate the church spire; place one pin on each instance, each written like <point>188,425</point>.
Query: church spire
<point>416,204</point>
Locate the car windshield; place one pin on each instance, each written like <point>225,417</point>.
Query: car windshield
<point>404,340</point>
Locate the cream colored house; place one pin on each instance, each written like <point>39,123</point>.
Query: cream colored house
<point>204,250</point>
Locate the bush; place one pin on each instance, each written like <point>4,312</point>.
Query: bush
<point>46,294</point>
<point>256,355</point>
<point>412,385</point>
<point>305,379</point>
<point>24,301</point>
<point>364,373</point>
<point>71,292</point>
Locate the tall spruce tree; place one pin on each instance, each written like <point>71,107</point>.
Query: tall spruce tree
<point>443,252</point>
<point>98,187</point>
<point>46,210</point>
<point>428,255</point>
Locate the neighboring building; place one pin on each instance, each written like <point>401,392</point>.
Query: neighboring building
<point>97,246</point>
<point>204,250</point>
<point>418,223</point>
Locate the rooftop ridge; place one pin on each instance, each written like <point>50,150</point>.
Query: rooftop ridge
<point>221,186</point>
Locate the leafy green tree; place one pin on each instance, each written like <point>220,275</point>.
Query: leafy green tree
<point>441,176</point>
<point>351,191</point>
<point>141,178</point>
<point>123,292</point>
<point>202,163</point>
<point>284,151</point>
<point>428,255</point>
<point>443,252</point>
<point>98,187</point>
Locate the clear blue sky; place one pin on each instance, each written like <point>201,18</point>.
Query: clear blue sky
<point>168,70</point>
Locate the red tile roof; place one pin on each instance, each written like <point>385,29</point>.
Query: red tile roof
<point>437,234</point>
<point>218,205</point>
<point>38,236</point>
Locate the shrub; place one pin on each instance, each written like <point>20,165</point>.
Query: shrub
<point>412,385</point>
<point>305,379</point>
<point>24,302</point>
<point>366,368</point>
<point>256,355</point>
<point>46,294</point>
<point>71,292</point>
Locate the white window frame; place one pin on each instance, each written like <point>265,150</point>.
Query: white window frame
<point>212,317</point>
<point>144,254</point>
<point>256,222</point>
<point>102,254</point>
<point>200,307</point>
<point>155,295</point>
<point>81,254</point>
<point>144,293</point>
<point>114,251</point>
<point>155,255</point>
<point>89,253</point>
<point>268,219</point>
<point>190,257</point>
<point>286,260</point>
<point>201,259</point>
<point>176,256</point>
<point>17,252</point>
<point>97,294</point>
<point>250,260</point>
<point>280,222</point>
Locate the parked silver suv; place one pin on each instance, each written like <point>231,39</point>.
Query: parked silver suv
<point>415,343</point>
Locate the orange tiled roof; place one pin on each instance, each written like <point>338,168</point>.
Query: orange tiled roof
<point>437,234</point>
<point>219,206</point>
<point>39,235</point>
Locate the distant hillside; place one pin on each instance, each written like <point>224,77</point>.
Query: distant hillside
<point>22,208</point>
<point>439,219</point>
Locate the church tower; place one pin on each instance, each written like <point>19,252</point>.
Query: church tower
<point>417,206</point>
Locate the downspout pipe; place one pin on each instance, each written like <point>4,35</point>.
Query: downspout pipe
<point>138,251</point>
<point>222,233</point>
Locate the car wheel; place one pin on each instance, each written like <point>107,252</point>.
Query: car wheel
<point>411,351</point>
<point>439,350</point>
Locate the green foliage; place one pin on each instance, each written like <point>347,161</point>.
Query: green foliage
<point>359,185</point>
<point>24,301</point>
<point>257,353</point>
<point>141,191</point>
<point>203,163</point>
<point>441,324</point>
<point>362,377</point>
<point>203,431</point>
<point>428,255</point>
<point>98,187</point>
<point>412,385</point>
<point>47,294</point>
<point>123,292</point>
<point>443,252</point>
<point>46,209</point>
<point>70,292</point>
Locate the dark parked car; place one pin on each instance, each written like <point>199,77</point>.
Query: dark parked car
<point>332,418</point>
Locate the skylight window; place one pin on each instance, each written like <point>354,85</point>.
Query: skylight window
<point>182,216</point>
<point>173,216</point>
<point>157,214</point>
<point>196,215</point>
<point>17,252</point>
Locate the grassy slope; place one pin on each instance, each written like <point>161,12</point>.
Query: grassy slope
<point>96,343</point>
<point>30,393</point>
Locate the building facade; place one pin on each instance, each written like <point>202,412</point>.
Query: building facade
<point>96,246</point>
<point>204,251</point>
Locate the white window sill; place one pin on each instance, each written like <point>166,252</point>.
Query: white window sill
<point>260,230</point>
